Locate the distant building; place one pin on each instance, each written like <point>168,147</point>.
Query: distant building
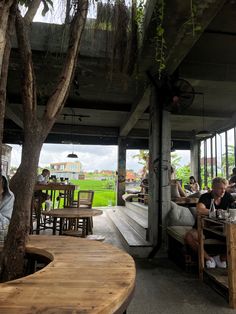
<point>107,172</point>
<point>130,176</point>
<point>70,170</point>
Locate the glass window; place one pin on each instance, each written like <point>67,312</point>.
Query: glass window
<point>231,147</point>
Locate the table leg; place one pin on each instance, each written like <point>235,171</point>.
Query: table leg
<point>54,225</point>
<point>61,225</point>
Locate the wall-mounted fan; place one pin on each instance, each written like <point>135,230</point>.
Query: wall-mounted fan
<point>182,95</point>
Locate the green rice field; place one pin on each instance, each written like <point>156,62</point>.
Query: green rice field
<point>104,191</point>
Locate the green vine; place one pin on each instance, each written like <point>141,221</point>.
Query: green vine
<point>159,38</point>
<point>195,27</point>
<point>139,18</point>
<point>160,46</point>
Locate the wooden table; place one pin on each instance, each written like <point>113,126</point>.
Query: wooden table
<point>83,277</point>
<point>51,189</point>
<point>224,280</point>
<point>186,201</point>
<point>74,213</point>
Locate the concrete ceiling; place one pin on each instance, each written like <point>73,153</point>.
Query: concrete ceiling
<point>104,106</point>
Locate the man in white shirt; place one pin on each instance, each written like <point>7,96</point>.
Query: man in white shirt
<point>43,178</point>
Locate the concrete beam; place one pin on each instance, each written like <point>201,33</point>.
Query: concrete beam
<point>10,114</point>
<point>136,114</point>
<point>185,39</point>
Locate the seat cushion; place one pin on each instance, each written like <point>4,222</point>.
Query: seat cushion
<point>178,232</point>
<point>180,216</point>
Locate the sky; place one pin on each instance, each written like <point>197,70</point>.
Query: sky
<point>92,157</point>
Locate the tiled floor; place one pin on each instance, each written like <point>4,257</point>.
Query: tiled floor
<point>162,287</point>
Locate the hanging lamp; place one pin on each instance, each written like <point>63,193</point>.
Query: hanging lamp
<point>203,133</point>
<point>72,155</point>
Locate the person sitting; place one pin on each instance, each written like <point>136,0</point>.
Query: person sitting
<point>144,185</point>
<point>176,188</point>
<point>232,182</point>
<point>222,200</point>
<point>39,196</point>
<point>194,186</point>
<point>43,178</point>
<point>7,199</point>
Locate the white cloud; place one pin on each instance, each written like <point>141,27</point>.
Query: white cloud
<point>92,157</point>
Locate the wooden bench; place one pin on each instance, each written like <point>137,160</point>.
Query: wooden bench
<point>83,277</point>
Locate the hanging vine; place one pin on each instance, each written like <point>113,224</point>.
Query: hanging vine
<point>191,27</point>
<point>160,43</point>
<point>191,22</point>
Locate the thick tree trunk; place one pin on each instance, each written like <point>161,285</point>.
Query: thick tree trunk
<point>35,132</point>
<point>5,7</point>
<point>22,186</point>
<point>7,18</point>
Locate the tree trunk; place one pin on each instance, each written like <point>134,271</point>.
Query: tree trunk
<point>7,18</point>
<point>35,132</point>
<point>22,186</point>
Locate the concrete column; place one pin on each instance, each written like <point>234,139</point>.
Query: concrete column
<point>166,195</point>
<point>195,160</point>
<point>159,150</point>
<point>121,171</point>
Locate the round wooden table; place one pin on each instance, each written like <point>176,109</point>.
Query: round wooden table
<point>73,213</point>
<point>83,277</point>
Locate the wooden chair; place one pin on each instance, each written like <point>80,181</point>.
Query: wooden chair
<point>81,227</point>
<point>85,199</point>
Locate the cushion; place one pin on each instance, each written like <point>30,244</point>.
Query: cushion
<point>180,216</point>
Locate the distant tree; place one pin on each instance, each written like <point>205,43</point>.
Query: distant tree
<point>183,173</point>
<point>175,159</point>
<point>231,160</point>
<point>143,157</point>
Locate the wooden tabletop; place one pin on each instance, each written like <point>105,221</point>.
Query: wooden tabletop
<point>186,200</point>
<point>72,212</point>
<point>84,277</point>
<point>54,186</point>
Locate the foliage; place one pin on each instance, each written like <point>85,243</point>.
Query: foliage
<point>142,156</point>
<point>140,19</point>
<point>183,173</point>
<point>175,159</point>
<point>104,190</point>
<point>191,22</point>
<point>231,160</point>
<point>160,43</point>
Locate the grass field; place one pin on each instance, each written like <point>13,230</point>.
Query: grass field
<point>104,191</point>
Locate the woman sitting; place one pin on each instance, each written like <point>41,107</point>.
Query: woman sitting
<point>194,186</point>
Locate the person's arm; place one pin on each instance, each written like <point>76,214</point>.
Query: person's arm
<point>181,191</point>
<point>197,188</point>
<point>201,209</point>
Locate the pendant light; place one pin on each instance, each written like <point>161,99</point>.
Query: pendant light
<point>72,155</point>
<point>203,133</point>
